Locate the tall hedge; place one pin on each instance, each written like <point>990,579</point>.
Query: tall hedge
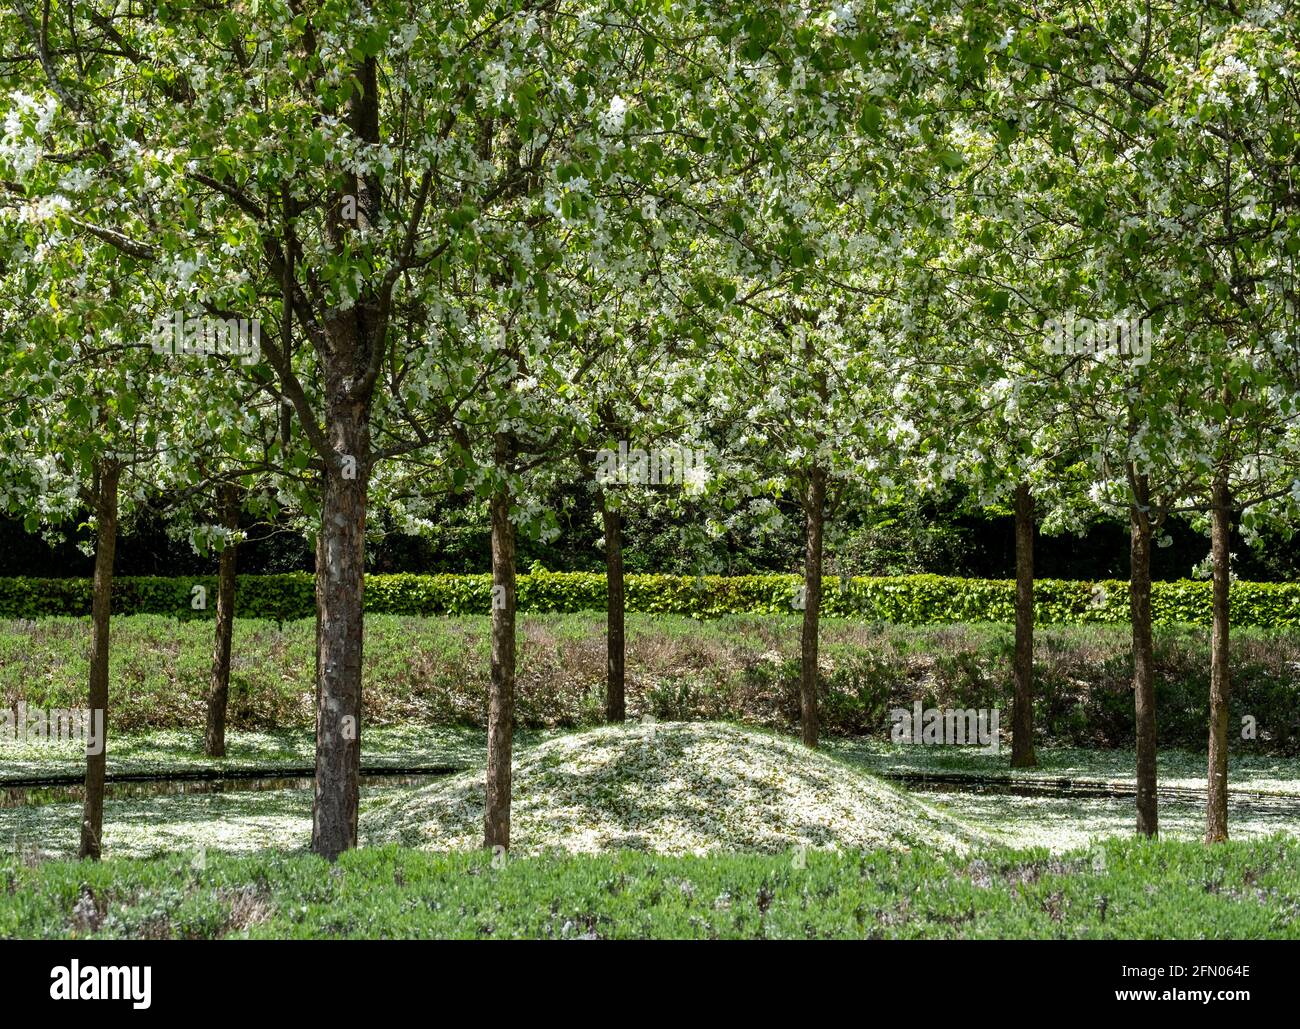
<point>910,599</point>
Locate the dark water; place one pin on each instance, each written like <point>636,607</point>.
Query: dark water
<point>1245,803</point>
<point>196,783</point>
<point>141,787</point>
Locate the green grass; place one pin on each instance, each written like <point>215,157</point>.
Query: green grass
<point>1123,890</point>
<point>234,863</point>
<point>741,668</point>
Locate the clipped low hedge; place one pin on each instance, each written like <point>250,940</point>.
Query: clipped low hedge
<point>908,599</point>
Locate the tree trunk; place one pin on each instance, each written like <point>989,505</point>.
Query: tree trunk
<point>340,585</point>
<point>214,740</point>
<point>501,706</point>
<point>815,511</point>
<point>1144,695</point>
<point>1216,807</point>
<point>1022,715</point>
<point>615,686</point>
<point>351,354</point>
<point>92,815</point>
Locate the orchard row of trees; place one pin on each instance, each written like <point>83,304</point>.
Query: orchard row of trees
<point>853,253</point>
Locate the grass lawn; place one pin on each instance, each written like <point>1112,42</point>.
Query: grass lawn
<point>1125,889</point>
<point>711,821</point>
<point>740,668</point>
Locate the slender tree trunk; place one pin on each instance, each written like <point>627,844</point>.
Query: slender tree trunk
<point>320,564</point>
<point>351,355</point>
<point>615,683</point>
<point>92,815</point>
<point>1216,808</point>
<point>1022,715</point>
<point>815,511</point>
<point>501,705</point>
<point>1144,690</point>
<point>214,740</point>
<point>340,585</point>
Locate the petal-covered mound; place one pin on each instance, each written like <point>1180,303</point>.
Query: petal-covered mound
<point>672,788</point>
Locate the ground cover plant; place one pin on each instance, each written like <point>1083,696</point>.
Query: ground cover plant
<point>1126,889</point>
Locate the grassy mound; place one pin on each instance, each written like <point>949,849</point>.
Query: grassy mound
<point>674,788</point>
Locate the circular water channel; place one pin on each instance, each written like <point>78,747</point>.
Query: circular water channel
<point>1272,805</point>
<point>138,787</point>
<point>37,793</point>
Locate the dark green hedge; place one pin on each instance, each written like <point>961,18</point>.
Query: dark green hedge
<point>913,599</point>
